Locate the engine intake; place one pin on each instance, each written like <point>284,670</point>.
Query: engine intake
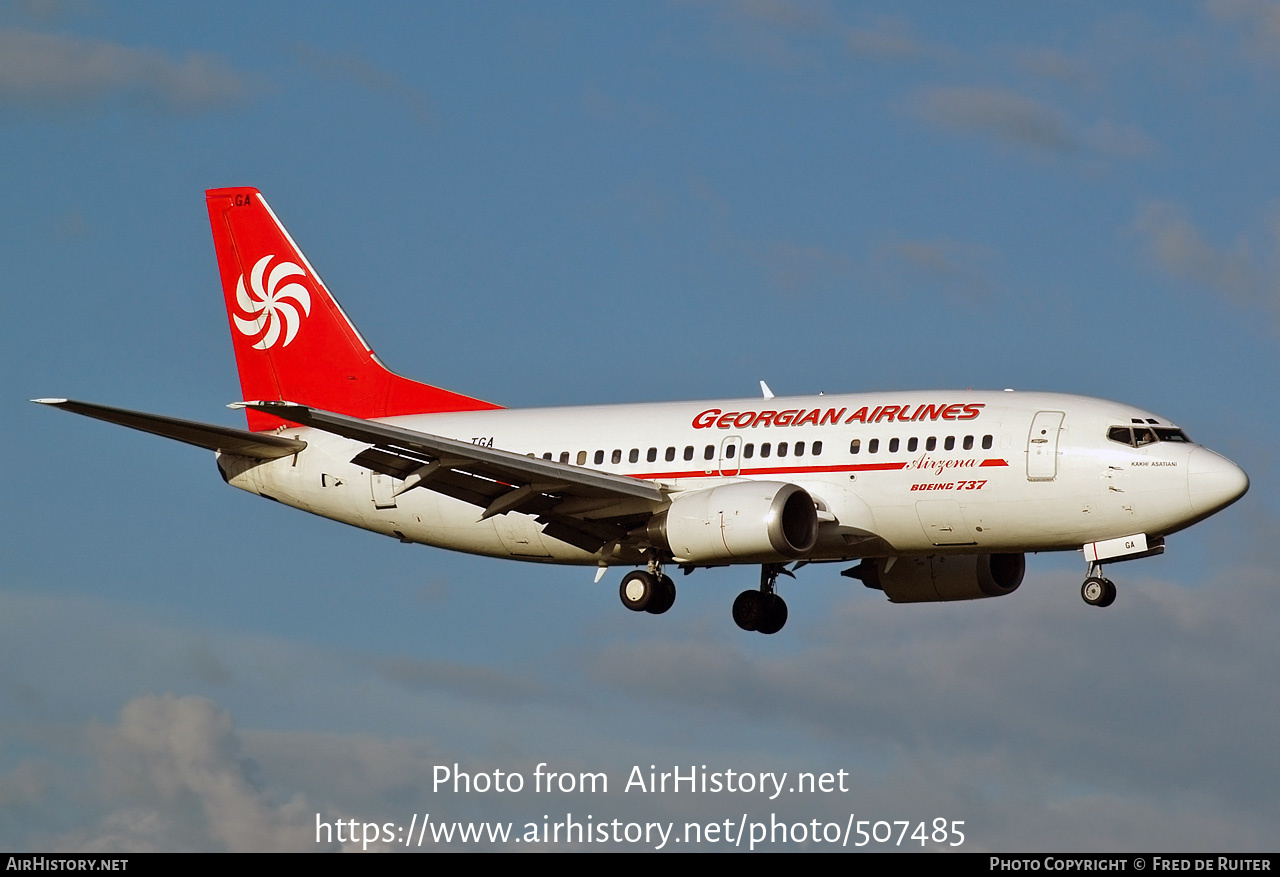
<point>764,521</point>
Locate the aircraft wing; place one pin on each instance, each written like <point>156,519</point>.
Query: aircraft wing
<point>584,507</point>
<point>260,446</point>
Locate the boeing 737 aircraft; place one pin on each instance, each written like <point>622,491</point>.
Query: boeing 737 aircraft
<point>933,495</point>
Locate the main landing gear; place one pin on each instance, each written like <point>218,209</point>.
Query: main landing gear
<point>762,611</point>
<point>1098,590</point>
<point>647,591</point>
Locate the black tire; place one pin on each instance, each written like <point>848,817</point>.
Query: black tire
<point>664,596</point>
<point>775,614</point>
<point>748,610</point>
<point>637,590</point>
<point>1109,596</point>
<point>1094,591</point>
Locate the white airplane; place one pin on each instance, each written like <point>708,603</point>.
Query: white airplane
<point>936,494</point>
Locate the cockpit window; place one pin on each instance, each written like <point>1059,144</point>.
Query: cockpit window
<point>1137,436</point>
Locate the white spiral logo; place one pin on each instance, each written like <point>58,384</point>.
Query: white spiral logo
<point>269,303</point>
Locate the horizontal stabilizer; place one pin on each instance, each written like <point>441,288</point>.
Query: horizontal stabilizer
<point>261,446</point>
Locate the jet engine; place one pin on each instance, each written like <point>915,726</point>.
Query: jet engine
<point>942,577</point>
<point>765,521</point>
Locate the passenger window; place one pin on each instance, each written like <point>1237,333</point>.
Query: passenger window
<point>617,455</point>
<point>582,458</point>
<point>855,446</point>
<point>950,443</point>
<point>968,443</point>
<point>688,452</point>
<point>782,449</point>
<point>547,455</point>
<point>817,448</point>
<point>748,451</point>
<point>709,453</point>
<point>634,456</point>
<point>893,446</point>
<point>799,449</point>
<point>986,442</point>
<point>653,455</point>
<point>873,446</point>
<point>729,451</point>
<point>912,444</point>
<point>931,443</point>
<point>599,458</point>
<point>671,454</point>
<point>764,449</point>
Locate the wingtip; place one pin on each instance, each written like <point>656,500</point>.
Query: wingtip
<point>50,401</point>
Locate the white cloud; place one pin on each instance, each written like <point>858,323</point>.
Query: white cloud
<point>1246,272</point>
<point>366,75</point>
<point>803,268</point>
<point>998,113</point>
<point>174,770</point>
<point>1057,65</point>
<point>958,268</point>
<point>1010,117</point>
<point>795,14</point>
<point>788,34</point>
<point>893,39</point>
<point>1259,22</point>
<point>56,71</point>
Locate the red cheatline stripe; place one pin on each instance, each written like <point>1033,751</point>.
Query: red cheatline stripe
<point>994,463</point>
<point>789,470</point>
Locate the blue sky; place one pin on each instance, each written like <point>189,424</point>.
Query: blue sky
<point>571,203</point>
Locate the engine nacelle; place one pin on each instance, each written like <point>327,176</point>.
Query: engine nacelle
<point>763,521</point>
<point>943,577</point>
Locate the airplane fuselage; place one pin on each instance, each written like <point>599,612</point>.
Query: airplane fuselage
<point>892,473</point>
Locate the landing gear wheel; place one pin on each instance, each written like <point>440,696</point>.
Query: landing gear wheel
<point>1098,591</point>
<point>664,596</point>
<point>638,590</point>
<point>748,610</point>
<point>775,614</point>
<point>761,612</point>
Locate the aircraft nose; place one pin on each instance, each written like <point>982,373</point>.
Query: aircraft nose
<point>1213,481</point>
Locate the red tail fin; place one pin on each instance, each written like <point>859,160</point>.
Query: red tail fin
<point>292,340</point>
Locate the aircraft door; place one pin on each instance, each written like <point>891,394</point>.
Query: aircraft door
<point>731,455</point>
<point>1042,446</point>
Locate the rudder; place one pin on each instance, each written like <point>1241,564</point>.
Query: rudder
<point>292,340</point>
